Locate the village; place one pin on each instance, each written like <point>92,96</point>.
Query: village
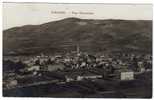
<point>23,72</point>
<point>77,70</point>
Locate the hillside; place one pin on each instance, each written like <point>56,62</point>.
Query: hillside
<point>92,36</point>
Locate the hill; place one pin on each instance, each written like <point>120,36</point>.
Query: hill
<point>92,36</point>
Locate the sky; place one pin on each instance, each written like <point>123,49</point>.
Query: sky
<point>19,14</point>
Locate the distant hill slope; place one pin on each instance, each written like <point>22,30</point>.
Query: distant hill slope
<point>92,36</point>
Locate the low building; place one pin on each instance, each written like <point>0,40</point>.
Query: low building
<point>88,77</point>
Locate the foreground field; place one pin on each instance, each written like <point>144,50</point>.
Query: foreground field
<point>141,87</point>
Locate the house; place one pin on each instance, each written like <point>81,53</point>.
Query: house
<point>55,66</point>
<point>127,75</point>
<point>34,68</point>
<point>29,62</point>
<point>11,83</point>
<point>69,79</point>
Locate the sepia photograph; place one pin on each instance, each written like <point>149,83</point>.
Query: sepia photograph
<point>68,50</point>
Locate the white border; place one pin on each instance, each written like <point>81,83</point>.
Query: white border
<point>60,1</point>
<point>83,1</point>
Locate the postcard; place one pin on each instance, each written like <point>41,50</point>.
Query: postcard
<point>66,50</point>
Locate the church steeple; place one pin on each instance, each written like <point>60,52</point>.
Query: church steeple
<point>78,49</point>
